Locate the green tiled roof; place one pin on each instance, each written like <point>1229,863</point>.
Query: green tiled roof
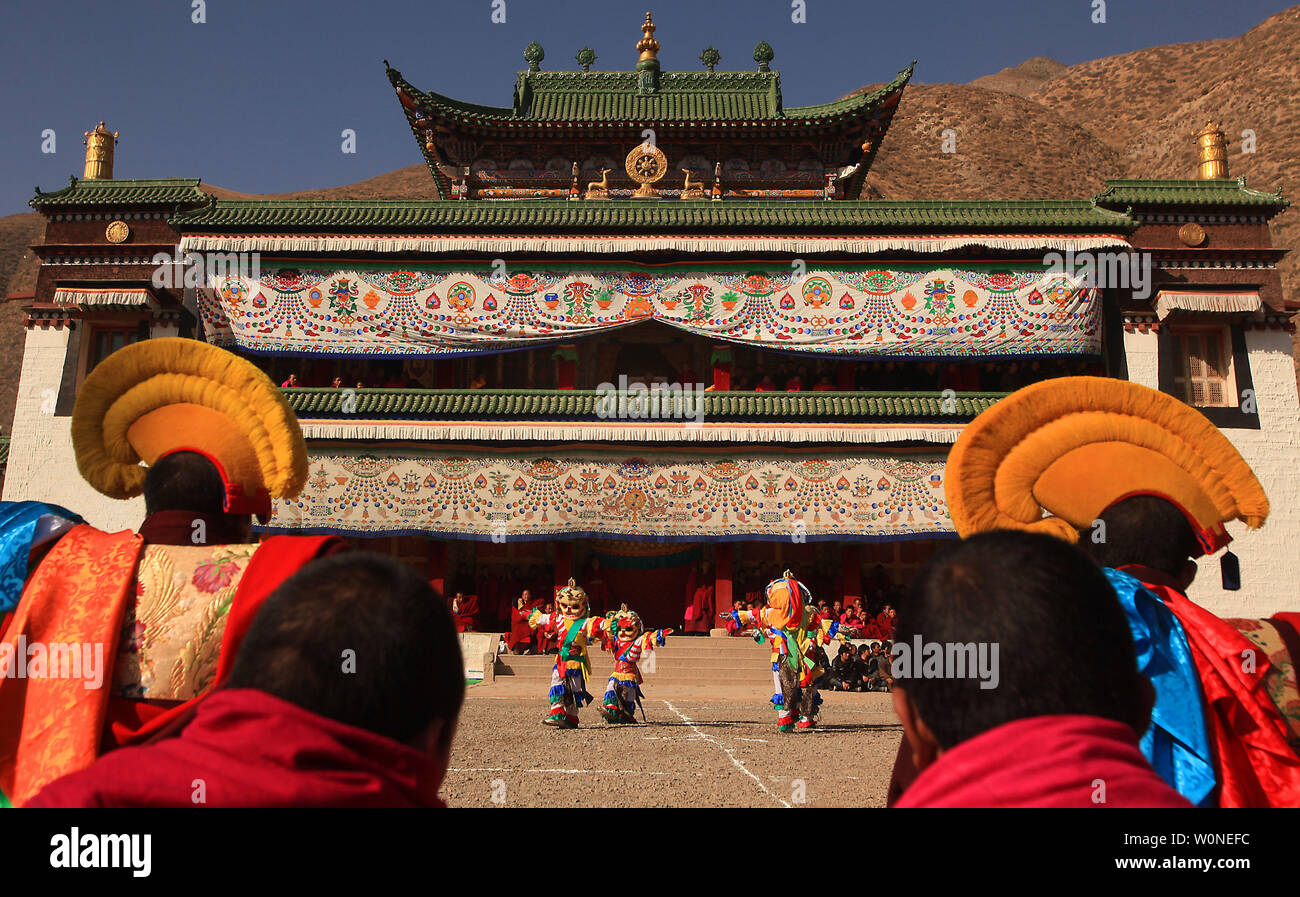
<point>535,404</point>
<point>854,215</point>
<point>614,97</point>
<point>4,450</point>
<point>1120,194</point>
<point>169,192</point>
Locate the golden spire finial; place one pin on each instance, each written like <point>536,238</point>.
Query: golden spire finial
<point>1212,151</point>
<point>648,46</point>
<point>99,153</point>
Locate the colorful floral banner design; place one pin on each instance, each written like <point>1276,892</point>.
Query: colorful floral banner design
<point>902,312</point>
<point>654,495</point>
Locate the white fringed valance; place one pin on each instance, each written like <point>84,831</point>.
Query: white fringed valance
<point>1170,301</point>
<point>91,297</point>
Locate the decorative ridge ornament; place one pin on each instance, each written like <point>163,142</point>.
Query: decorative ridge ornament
<point>763,55</point>
<point>533,55</point>
<point>586,56</point>
<point>710,57</point>
<point>648,46</point>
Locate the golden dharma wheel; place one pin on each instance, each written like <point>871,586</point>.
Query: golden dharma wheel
<point>117,232</point>
<point>646,165</point>
<point>1192,234</point>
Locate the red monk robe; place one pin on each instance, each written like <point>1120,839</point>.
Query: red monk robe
<point>1044,761</point>
<point>251,749</point>
<point>1255,765</point>
<point>464,608</point>
<point>81,593</point>
<point>520,635</point>
<point>700,610</point>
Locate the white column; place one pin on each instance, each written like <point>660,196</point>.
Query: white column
<point>41,465</point>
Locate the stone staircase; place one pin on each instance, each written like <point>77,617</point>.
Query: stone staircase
<point>683,661</point>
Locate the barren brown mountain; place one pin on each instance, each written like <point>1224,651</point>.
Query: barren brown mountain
<point>1039,130</point>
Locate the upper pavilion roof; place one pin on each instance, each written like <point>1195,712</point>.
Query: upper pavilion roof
<point>732,124</point>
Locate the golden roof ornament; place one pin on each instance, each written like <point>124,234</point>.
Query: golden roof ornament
<point>648,46</point>
<point>99,153</point>
<point>1212,151</point>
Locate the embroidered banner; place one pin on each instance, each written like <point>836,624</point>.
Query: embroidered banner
<point>653,495</point>
<point>901,312</point>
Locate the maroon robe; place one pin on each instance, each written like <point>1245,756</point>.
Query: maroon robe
<point>251,749</point>
<point>1044,761</point>
<point>703,603</point>
<point>466,614</point>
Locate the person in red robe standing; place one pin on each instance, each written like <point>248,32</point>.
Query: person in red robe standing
<point>465,609</point>
<point>700,606</point>
<point>287,732</point>
<point>1051,719</point>
<point>885,622</point>
<point>520,637</point>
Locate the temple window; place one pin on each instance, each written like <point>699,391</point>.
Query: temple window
<point>1205,363</point>
<point>107,339</point>
<point>1205,367</point>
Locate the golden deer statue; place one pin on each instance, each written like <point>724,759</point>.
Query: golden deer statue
<point>692,189</point>
<point>599,189</point>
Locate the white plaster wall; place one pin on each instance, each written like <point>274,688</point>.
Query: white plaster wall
<point>1143,357</point>
<point>1270,556</point>
<point>41,463</point>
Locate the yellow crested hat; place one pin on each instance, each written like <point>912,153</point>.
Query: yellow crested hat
<point>160,396</point>
<point>1075,446</point>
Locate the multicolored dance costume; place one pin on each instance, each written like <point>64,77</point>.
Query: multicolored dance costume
<point>792,626</point>
<point>574,629</point>
<point>628,641</point>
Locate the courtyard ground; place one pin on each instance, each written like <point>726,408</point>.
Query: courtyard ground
<point>701,747</point>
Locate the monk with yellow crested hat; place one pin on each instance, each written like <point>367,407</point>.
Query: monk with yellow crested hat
<point>1145,484</point>
<point>147,622</point>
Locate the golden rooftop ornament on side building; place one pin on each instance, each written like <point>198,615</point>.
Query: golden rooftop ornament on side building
<point>1212,149</point>
<point>99,153</point>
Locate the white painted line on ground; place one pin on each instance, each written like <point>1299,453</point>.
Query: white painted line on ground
<point>730,755</point>
<point>567,772</point>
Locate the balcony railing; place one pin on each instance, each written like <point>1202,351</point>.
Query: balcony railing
<point>588,405</point>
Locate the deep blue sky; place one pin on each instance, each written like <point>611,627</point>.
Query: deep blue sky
<point>255,98</point>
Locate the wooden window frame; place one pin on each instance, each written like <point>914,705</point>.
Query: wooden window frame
<point>1238,378</point>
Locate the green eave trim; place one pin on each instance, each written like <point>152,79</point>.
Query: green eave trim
<point>556,98</point>
<point>540,405</point>
<point>526,215</point>
<point>1219,192</point>
<point>169,192</point>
